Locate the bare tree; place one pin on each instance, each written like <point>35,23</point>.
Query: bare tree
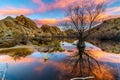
<point>82,18</point>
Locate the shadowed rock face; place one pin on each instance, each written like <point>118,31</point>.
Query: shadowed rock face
<point>15,30</point>
<point>108,30</point>
<point>109,46</point>
<point>26,22</point>
<point>71,33</point>
<point>107,35</point>
<point>53,30</point>
<point>21,29</point>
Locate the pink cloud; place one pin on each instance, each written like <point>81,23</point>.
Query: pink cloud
<point>15,11</point>
<point>110,13</point>
<point>61,4</point>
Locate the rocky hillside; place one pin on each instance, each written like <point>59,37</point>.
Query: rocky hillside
<point>71,33</point>
<point>28,23</point>
<point>15,30</point>
<point>53,30</point>
<point>21,30</point>
<point>107,35</point>
<point>108,30</point>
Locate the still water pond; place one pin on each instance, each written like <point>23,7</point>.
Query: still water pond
<point>35,67</point>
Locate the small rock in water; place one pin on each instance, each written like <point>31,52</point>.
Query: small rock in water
<point>70,50</point>
<point>45,57</point>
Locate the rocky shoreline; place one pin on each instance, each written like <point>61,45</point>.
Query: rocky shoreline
<point>22,30</point>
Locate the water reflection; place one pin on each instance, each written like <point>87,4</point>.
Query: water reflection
<point>33,67</point>
<point>109,46</point>
<point>55,68</point>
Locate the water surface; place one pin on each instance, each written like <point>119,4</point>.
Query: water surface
<point>35,67</point>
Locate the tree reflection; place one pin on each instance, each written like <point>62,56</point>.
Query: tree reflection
<point>84,65</point>
<point>82,18</point>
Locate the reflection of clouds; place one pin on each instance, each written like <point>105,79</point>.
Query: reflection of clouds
<point>97,53</point>
<point>66,69</point>
<point>10,60</point>
<point>107,73</point>
<point>110,46</point>
<point>91,46</point>
<point>72,52</point>
<point>61,68</point>
<point>105,57</point>
<point>57,65</point>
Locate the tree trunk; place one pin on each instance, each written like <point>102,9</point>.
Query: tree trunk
<point>81,47</point>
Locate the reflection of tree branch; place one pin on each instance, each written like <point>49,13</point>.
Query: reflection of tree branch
<point>76,63</point>
<point>94,60</point>
<point>90,69</point>
<point>83,63</point>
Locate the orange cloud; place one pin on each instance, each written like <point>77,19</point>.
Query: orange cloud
<point>15,11</point>
<point>50,21</point>
<point>110,13</point>
<point>46,21</point>
<point>104,56</point>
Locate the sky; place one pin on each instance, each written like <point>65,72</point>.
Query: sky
<point>47,11</point>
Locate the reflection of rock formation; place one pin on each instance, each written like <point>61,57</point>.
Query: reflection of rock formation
<point>35,66</point>
<point>51,46</point>
<point>109,46</point>
<point>17,52</point>
<point>52,70</point>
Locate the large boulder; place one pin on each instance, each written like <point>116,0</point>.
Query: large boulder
<point>53,30</point>
<point>26,22</point>
<point>15,31</point>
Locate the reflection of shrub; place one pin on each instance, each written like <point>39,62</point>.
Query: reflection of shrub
<point>17,52</point>
<point>21,51</point>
